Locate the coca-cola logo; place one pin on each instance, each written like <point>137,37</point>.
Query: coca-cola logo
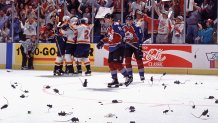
<point>154,54</point>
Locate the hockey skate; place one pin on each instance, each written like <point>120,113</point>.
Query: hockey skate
<point>88,73</point>
<point>142,78</point>
<point>58,71</point>
<point>79,70</point>
<point>113,84</point>
<point>69,70</point>
<point>128,81</point>
<point>88,70</point>
<point>24,68</point>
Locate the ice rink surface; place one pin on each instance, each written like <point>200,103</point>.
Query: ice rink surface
<point>25,97</point>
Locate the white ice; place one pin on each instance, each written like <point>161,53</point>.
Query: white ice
<point>93,104</point>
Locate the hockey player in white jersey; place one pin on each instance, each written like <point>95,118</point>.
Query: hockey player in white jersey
<point>70,46</point>
<point>83,45</point>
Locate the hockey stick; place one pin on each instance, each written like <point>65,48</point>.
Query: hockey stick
<point>136,47</point>
<point>58,46</point>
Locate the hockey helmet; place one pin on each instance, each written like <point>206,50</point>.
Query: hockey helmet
<point>74,20</point>
<point>108,15</point>
<point>84,20</point>
<point>66,18</point>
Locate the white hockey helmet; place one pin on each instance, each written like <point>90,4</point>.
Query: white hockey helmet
<point>84,20</point>
<point>66,18</point>
<point>74,20</point>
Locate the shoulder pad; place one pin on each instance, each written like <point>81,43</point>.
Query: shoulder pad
<point>116,23</point>
<point>136,25</point>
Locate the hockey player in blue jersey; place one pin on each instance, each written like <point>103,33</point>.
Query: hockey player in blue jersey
<point>60,43</point>
<point>133,40</point>
<point>114,37</point>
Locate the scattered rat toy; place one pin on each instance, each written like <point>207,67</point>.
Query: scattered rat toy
<point>152,80</point>
<point>74,119</point>
<point>63,113</point>
<point>162,75</point>
<point>57,91</point>
<point>49,106</point>
<point>5,105</point>
<point>204,113</point>
<point>166,111</point>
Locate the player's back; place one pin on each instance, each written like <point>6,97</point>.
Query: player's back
<point>83,35</point>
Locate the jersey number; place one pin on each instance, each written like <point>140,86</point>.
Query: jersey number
<point>86,35</point>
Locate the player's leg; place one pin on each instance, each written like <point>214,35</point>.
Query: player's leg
<point>78,54</point>
<point>128,60</point>
<point>79,65</point>
<point>68,60</point>
<point>118,60</point>
<point>86,59</point>
<point>59,59</point>
<point>58,66</point>
<point>139,55</point>
<point>113,71</point>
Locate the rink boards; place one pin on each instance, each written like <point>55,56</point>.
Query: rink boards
<point>184,59</point>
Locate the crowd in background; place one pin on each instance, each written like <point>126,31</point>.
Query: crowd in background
<point>169,22</point>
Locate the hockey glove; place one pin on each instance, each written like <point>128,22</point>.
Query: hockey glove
<point>65,27</point>
<point>100,44</point>
<point>140,47</point>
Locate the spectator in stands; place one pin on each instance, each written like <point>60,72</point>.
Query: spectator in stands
<point>103,3</point>
<point>207,9</point>
<point>16,29</point>
<point>178,31</point>
<point>192,29</point>
<point>73,4</point>
<point>85,12</point>
<point>148,20</point>
<point>4,33</point>
<point>3,19</point>
<point>139,21</point>
<point>163,27</point>
<point>22,14</point>
<point>206,35</point>
<point>30,12</point>
<point>46,33</point>
<point>49,12</point>
<point>30,27</point>
<point>138,4</point>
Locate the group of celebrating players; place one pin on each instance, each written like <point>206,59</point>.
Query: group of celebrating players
<point>73,41</point>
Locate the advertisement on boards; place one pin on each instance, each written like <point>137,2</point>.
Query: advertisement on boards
<point>164,56</point>
<point>45,54</point>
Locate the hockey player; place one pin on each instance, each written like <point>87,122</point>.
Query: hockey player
<point>60,43</point>
<point>133,43</point>
<point>70,46</point>
<point>83,45</point>
<point>114,38</point>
